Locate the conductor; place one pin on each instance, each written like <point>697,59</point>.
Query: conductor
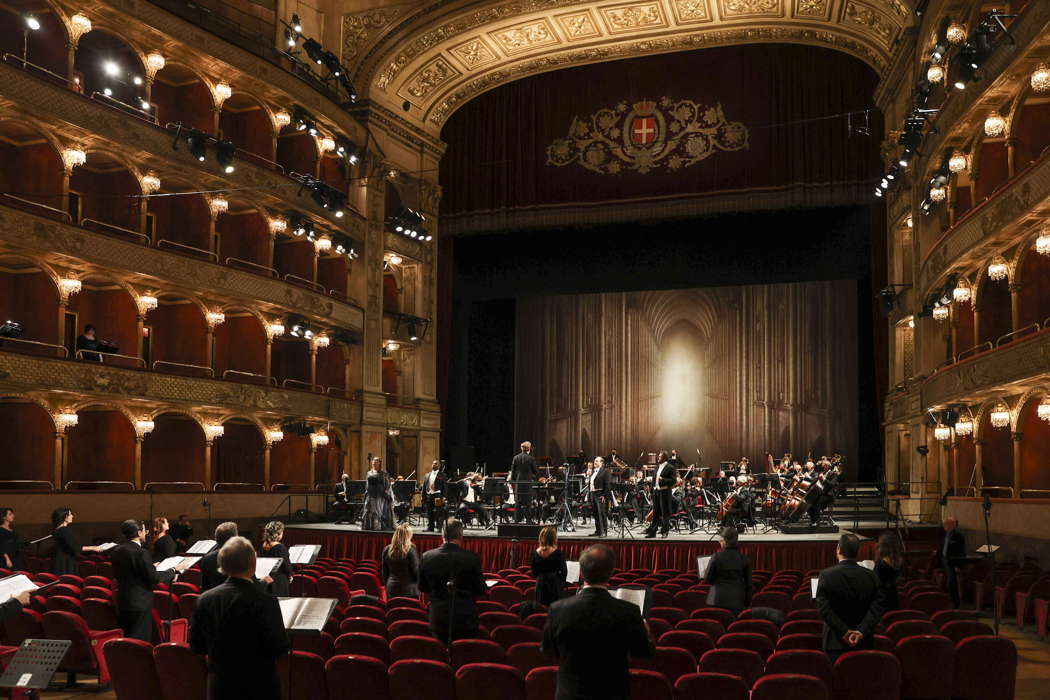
<point>522,476</point>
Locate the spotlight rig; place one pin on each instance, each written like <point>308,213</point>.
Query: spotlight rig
<point>197,144</point>
<point>324,195</point>
<point>319,56</point>
<point>409,222</point>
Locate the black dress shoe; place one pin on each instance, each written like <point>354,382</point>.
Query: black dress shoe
<point>650,535</point>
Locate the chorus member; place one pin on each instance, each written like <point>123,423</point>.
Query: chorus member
<point>11,607</point>
<point>433,489</point>
<point>209,564</point>
<point>523,475</point>
<point>400,564</point>
<point>548,567</point>
<point>665,478</point>
<point>598,489</point>
<point>729,575</point>
<point>238,627</point>
<point>272,547</point>
<point>163,543</point>
<point>379,502</point>
<point>136,578</point>
<point>594,636</point>
<point>953,548</point>
<point>888,569</point>
<point>453,613</point>
<point>9,555</point>
<point>182,532</point>
<point>67,546</point>
<point>849,601</point>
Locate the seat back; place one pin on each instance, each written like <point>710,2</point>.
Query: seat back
<point>650,685</point>
<point>417,647</point>
<point>909,628</point>
<point>800,641</point>
<point>745,664</point>
<point>99,614</point>
<point>307,675</point>
<point>808,662</point>
<point>706,686</point>
<point>65,603</point>
<point>867,664</point>
<point>927,664</point>
<point>489,681</point>
<point>758,643</point>
<point>526,656</point>
<point>720,615</point>
<point>789,686</point>
<point>509,635</point>
<point>712,628</point>
<point>81,657</point>
<point>898,615</point>
<point>366,611</point>
<point>985,669</point>
<point>802,627</point>
<point>321,644</point>
<point>477,651</point>
<point>696,643</point>
<point>132,669</point>
<point>402,628</point>
<point>672,662</point>
<point>409,677</point>
<point>943,617</point>
<point>405,613</point>
<point>369,625</point>
<point>541,683</point>
<point>764,627</point>
<point>961,629</point>
<point>350,677</point>
<point>25,625</point>
<point>363,644</point>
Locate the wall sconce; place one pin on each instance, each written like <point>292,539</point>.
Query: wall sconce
<point>998,269</point>
<point>942,432</point>
<point>393,432</point>
<point>278,225</point>
<point>958,162</point>
<point>65,421</point>
<point>393,345</point>
<point>940,313</point>
<point>1043,409</point>
<point>143,427</point>
<point>69,286</point>
<point>1042,243</point>
<point>318,440</point>
<point>323,245</point>
<point>327,144</point>
<point>1000,416</point>
<point>214,430</point>
<point>322,341</point>
<point>273,436</point>
<point>281,119</point>
<point>222,93</point>
<point>146,303</point>
<point>150,183</point>
<point>215,318</point>
<point>955,33</point>
<point>1041,78</point>
<point>71,158</point>
<point>154,64</point>
<point>962,292</point>
<point>994,125</point>
<point>79,25</point>
<point>274,330</point>
<point>218,205</point>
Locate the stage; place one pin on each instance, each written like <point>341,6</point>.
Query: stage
<point>678,551</point>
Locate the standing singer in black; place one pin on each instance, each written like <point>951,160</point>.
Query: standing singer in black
<point>665,478</point>
<point>523,475</point>
<point>433,489</point>
<point>598,485</point>
<point>136,577</point>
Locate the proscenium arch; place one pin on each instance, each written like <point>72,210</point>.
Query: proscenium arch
<point>439,56</point>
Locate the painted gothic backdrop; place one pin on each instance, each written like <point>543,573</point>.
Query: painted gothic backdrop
<point>731,371</point>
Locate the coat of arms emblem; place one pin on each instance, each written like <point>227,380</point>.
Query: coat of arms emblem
<point>647,135</point>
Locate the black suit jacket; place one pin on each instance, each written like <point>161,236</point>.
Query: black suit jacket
<point>439,482</point>
<point>849,597</point>
<point>593,635</point>
<point>601,482</point>
<point>136,577</point>
<point>956,547</point>
<point>666,475</point>
<point>729,574</point>
<point>164,547</point>
<point>9,609</point>
<point>523,468</point>
<point>436,568</point>
<point>239,627</point>
<point>210,575</point>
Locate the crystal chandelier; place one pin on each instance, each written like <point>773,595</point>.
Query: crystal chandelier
<point>942,432</point>
<point>79,25</point>
<point>154,64</point>
<point>65,421</point>
<point>322,341</point>
<point>1041,78</point>
<point>1043,409</point>
<point>150,183</point>
<point>962,291</point>
<point>318,440</point>
<point>143,427</point>
<point>1000,416</point>
<point>215,318</point>
<point>994,125</point>
<point>72,157</point>
<point>956,33</point>
<point>68,286</point>
<point>273,436</point>
<point>958,162</point>
<point>218,205</point>
<point>1042,244</point>
<point>935,73</point>
<point>998,269</point>
<point>147,302</point>
<point>964,426</point>
<point>215,430</point>
<point>282,119</point>
<point>938,194</point>
<point>940,313</point>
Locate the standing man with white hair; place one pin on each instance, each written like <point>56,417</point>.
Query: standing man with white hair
<point>523,475</point>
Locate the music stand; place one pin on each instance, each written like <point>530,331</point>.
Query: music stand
<point>34,664</point>
<point>570,491</point>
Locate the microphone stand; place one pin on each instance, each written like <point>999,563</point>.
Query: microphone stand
<point>986,507</point>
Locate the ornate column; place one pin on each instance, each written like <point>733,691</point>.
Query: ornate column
<point>1011,155</point>
<point>1015,305</point>
<point>978,463</point>
<point>1016,439</point>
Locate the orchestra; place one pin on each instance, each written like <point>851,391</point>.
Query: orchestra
<point>659,494</point>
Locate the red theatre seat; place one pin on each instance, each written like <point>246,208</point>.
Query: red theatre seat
<point>650,685</point>
<point>789,686</point>
<point>696,643</point>
<point>321,644</point>
<point>758,627</point>
<point>745,664</point>
<point>527,656</point>
<point>363,644</point>
<point>985,669</point>
<point>397,614</point>
<point>307,676</point>
<point>802,627</point>
<point>352,677</point>
<point>758,643</point>
<point>183,674</point>
<point>909,628</point>
<point>541,683</point>
<point>807,662</point>
<point>85,655</point>
<point>509,635</point>
<point>403,628</point>
<point>25,625</point>
<point>132,669</point>
<point>927,663</point>
<point>368,625</point>
<point>725,617</point>
<point>417,647</point>
<point>710,686</point>
<point>898,615</point>
<point>880,669</point>
<point>712,628</point>
<point>411,677</point>
<point>488,681</point>
<point>800,641</point>
<point>961,629</point>
<point>477,651</point>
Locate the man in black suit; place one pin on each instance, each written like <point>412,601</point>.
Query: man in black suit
<point>593,635</point>
<point>340,510</point>
<point>665,478</point>
<point>209,564</point>
<point>453,613</point>
<point>729,574</point>
<point>849,599</point>
<point>523,475</point>
<point>433,488</point>
<point>598,485</point>
<point>952,550</point>
<point>136,577</point>
<point>238,625</point>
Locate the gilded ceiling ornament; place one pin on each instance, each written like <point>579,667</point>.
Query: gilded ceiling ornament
<point>811,8</point>
<point>866,17</point>
<point>579,25</point>
<point>525,36</point>
<point>474,53</point>
<point>750,7</point>
<point>633,17</point>
<point>691,10</point>
<point>647,135</point>
<point>433,74</point>
<point>360,27</point>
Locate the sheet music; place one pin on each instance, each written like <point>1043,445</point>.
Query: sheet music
<point>306,614</point>
<point>813,587</point>
<point>572,572</point>
<point>107,546</point>
<point>492,582</point>
<point>13,585</point>
<point>264,566</point>
<point>172,562</point>
<point>631,595</point>
<point>988,549</point>
<point>701,565</point>
<point>868,564</point>
<point>303,553</point>
<point>202,547</point>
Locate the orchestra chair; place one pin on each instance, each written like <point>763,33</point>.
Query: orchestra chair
<point>493,619</point>
<point>321,644</point>
<point>403,628</point>
<point>181,588</point>
<point>132,669</point>
<point>363,644</point>
<point>961,629</point>
<point>1005,593</point>
<point>719,615</point>
<point>366,611</point>
<point>489,681</point>
<point>187,602</point>
<point>1040,612</point>
<point>867,675</point>
<point>174,630</point>
<point>672,662</point>
<point>789,686</point>
<point>99,614</point>
<point>651,685</point>
<point>745,664</point>
<point>764,627</point>
<point>672,615</point>
<point>369,625</point>
<point>541,683</point>
<point>898,615</point>
<point>710,686</point>
<point>417,647</point>
<point>398,614</point>
<point>808,662</point>
<point>909,628</point>
<point>477,651</point>
<point>526,656</point>
<point>307,677</point>
<point>537,620</point>
<point>85,654</point>
<point>509,635</point>
<point>985,669</point>
<point>712,628</point>
<point>351,677</point>
<point>758,643</point>
<point>927,663</point>
<point>164,603</point>
<point>411,677</point>
<point>696,643</point>
<point>943,617</point>
<point>64,603</point>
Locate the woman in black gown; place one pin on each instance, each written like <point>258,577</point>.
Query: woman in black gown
<point>67,546</point>
<point>273,547</point>
<point>888,569</point>
<point>379,500</point>
<point>548,567</point>
<point>400,564</point>
<point>163,543</point>
<point>9,555</point>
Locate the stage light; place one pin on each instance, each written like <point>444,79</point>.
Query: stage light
<point>331,62</point>
<point>136,80</point>
<point>111,68</point>
<point>998,270</point>
<point>296,24</point>
<point>32,22</point>
<point>146,106</point>
<point>304,121</point>
<point>314,50</point>
<point>289,38</point>
<point>878,192</point>
<point>967,69</point>
<point>344,80</point>
<point>107,92</point>
<point>994,125</point>
<point>1000,416</point>
<point>955,33</point>
<point>962,291</point>
<point>10,329</point>
<point>1041,78</point>
<point>413,331</point>
<point>224,153</point>
<point>197,142</point>
<point>958,162</point>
